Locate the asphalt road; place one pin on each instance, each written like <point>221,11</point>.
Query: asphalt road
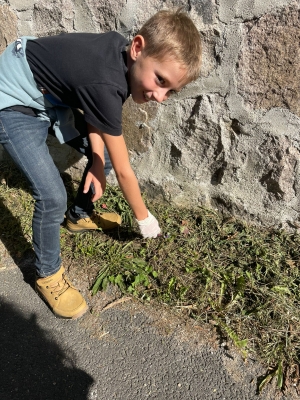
<point>118,354</point>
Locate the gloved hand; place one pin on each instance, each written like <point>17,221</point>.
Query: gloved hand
<point>149,226</point>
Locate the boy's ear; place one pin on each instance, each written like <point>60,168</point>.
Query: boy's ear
<point>137,46</point>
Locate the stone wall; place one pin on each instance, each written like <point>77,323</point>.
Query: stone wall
<point>228,141</point>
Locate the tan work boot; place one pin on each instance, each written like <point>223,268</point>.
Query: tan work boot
<point>104,221</point>
<point>64,300</point>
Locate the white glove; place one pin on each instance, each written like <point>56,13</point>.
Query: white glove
<point>149,226</point>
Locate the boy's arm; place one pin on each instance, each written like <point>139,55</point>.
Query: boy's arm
<point>118,154</point>
<point>96,175</point>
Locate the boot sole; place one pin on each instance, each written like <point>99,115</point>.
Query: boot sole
<point>80,230</point>
<point>76,316</point>
<point>90,230</point>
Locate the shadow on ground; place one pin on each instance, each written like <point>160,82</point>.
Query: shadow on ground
<point>33,366</point>
<point>14,240</point>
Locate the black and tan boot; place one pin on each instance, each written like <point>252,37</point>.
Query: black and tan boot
<point>64,300</point>
<point>104,221</point>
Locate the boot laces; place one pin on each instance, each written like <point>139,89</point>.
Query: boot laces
<point>93,218</point>
<point>58,288</point>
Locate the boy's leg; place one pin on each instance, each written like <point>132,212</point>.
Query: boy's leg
<point>24,138</point>
<point>80,216</point>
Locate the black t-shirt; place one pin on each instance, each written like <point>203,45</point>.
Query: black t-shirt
<point>86,71</point>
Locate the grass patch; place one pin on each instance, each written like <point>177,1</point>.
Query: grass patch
<point>217,270</point>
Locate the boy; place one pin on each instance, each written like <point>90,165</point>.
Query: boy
<point>44,81</point>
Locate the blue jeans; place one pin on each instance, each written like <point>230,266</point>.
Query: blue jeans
<point>24,138</point>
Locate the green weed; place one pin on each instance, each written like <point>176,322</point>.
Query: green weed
<point>120,267</point>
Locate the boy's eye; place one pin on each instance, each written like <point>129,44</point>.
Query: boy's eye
<point>160,79</point>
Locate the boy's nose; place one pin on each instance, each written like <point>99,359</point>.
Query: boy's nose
<point>160,95</point>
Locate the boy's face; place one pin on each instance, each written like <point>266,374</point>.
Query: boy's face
<point>151,79</point>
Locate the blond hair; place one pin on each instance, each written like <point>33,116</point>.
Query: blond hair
<point>172,35</point>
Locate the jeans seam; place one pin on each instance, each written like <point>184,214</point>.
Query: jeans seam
<point>38,192</point>
<point>4,129</point>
